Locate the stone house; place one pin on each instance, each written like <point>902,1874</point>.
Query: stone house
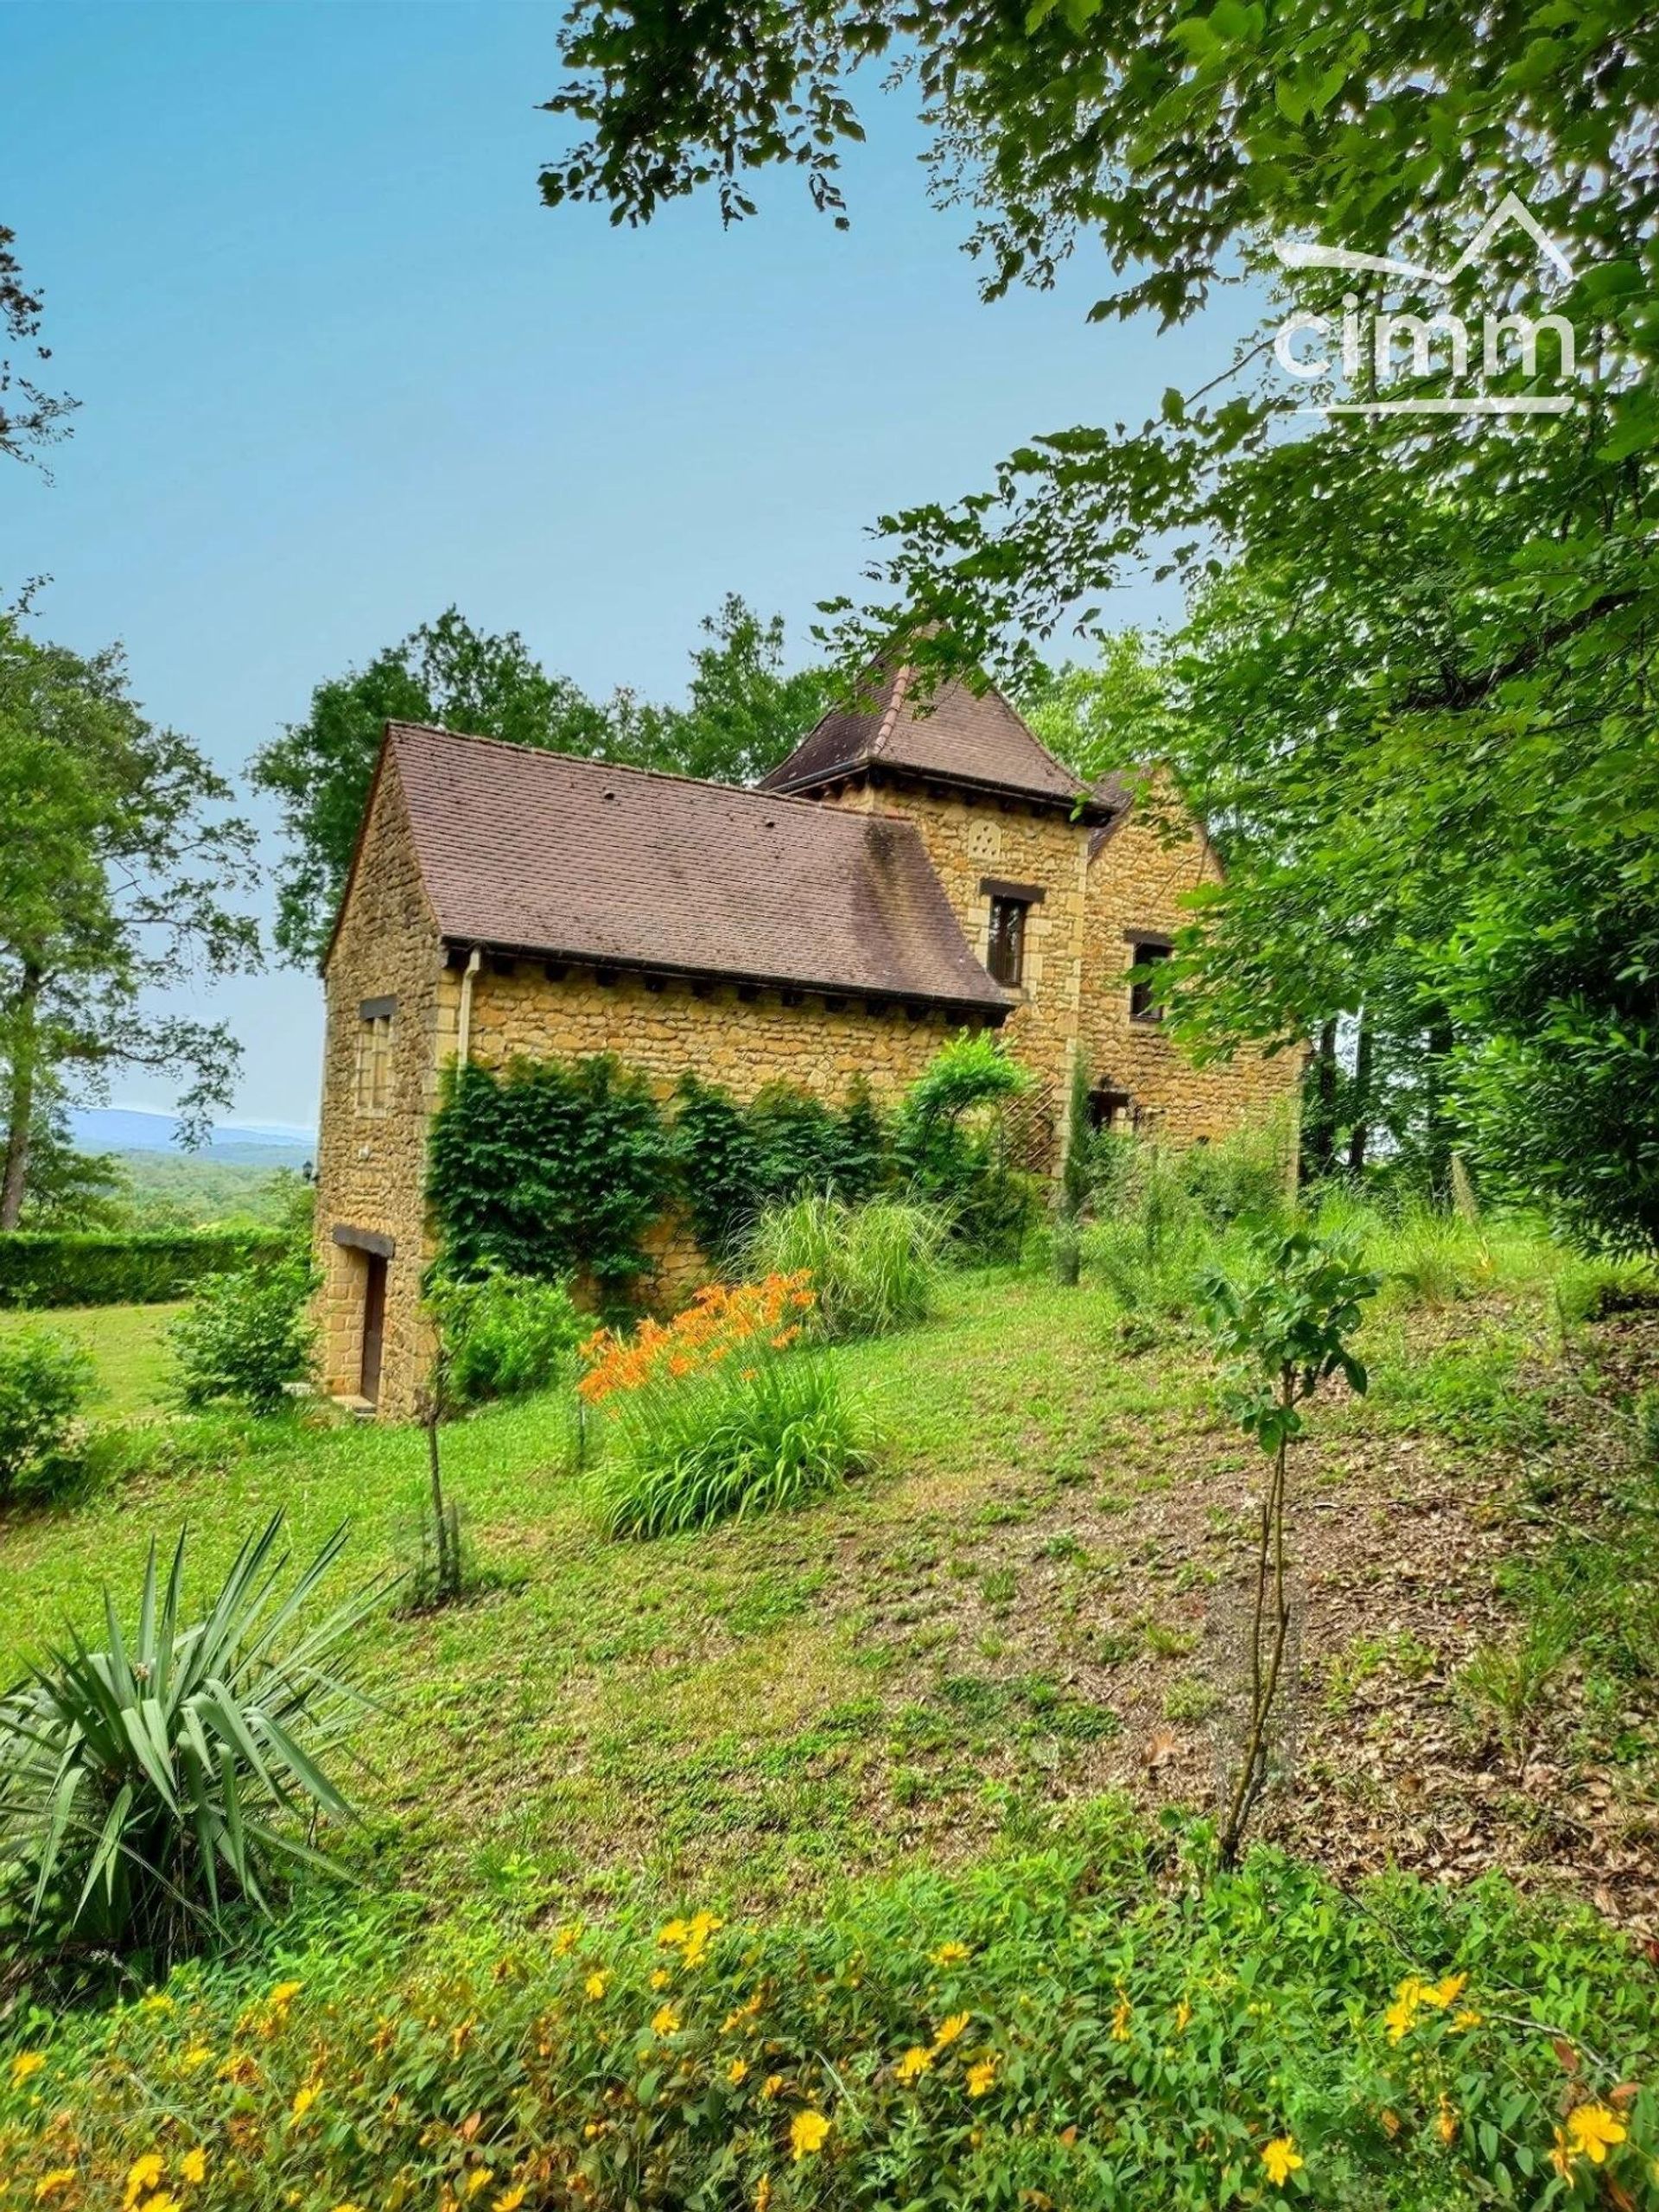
<point>904,875</point>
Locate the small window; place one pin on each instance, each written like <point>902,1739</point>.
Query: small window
<point>1111,1109</point>
<point>1005,953</point>
<point>374,1056</point>
<point>1143,1004</point>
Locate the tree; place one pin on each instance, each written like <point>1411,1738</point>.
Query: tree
<point>1435,632</point>
<point>111,881</point>
<point>743,714</point>
<point>1283,1327</point>
<point>29,418</point>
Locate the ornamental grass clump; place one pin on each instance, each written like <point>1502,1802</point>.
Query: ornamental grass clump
<point>716,1415</point>
<point>872,1269</point>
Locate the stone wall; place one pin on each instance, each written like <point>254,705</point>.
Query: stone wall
<point>969,839</point>
<point>1136,879</point>
<point>371,1164</point>
<point>371,1161</point>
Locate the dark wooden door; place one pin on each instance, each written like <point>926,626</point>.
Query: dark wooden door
<point>374,1322</point>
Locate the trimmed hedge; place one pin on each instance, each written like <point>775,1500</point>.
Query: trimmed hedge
<point>44,1268</point>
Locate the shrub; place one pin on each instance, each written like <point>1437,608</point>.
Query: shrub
<point>551,1168</point>
<point>1246,1173</point>
<point>735,1161</point>
<point>1087,2028</point>
<point>245,1337</point>
<point>503,1334</point>
<point>753,1434</point>
<point>45,1379</point>
<point>147,1787</point>
<point>83,1268</point>
<point>872,1267</point>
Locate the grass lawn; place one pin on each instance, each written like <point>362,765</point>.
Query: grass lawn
<point>127,1342</point>
<point>1007,1620</point>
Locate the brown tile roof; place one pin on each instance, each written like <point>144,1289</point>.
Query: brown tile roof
<point>524,851</point>
<point>957,735</point>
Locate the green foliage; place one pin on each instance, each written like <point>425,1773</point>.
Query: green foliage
<point>1147,2035</point>
<point>503,1334</point>
<point>69,1189</point>
<point>551,1169</point>
<point>147,1787</point>
<point>246,1336</point>
<point>736,1163</point>
<point>758,1434</point>
<point>43,1267</point>
<point>45,1380</point>
<point>874,1268</point>
<point>1149,1239</point>
<point>1417,707</point>
<point>973,1070</point>
<point>1283,1327</point>
<point>948,1145</point>
<point>1285,1324</point>
<point>118,886</point>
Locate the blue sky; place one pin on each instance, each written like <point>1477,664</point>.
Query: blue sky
<point>340,368</point>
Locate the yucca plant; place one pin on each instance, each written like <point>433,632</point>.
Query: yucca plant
<point>148,1788</point>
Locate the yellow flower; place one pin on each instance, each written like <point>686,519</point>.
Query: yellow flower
<point>1281,2158</point>
<point>771,2086</point>
<point>915,2062</point>
<point>951,1954</point>
<point>163,2200</point>
<point>702,1926</point>
<point>1447,2122</point>
<point>511,2199</point>
<point>660,1979</point>
<point>1594,2130</point>
<point>1560,2157</point>
<point>284,1993</point>
<point>980,2077</point>
<point>567,1940</point>
<point>737,2070</point>
<point>665,2021</point>
<point>949,2029</point>
<point>763,2194</point>
<point>480,2178</point>
<point>198,2055</point>
<point>1183,2015</point>
<point>194,2165</point>
<point>673,1935</point>
<point>53,2184</point>
<point>806,2133</point>
<point>304,2098</point>
<point>597,1984</point>
<point>1447,1992</point>
<point>1467,2019</point>
<point>143,2174</point>
<point>157,2001</point>
<point>1120,2020</point>
<point>25,2064</point>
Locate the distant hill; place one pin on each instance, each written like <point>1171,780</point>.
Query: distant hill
<point>126,1129</point>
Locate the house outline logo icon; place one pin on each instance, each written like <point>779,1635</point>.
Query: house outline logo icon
<point>1375,336</point>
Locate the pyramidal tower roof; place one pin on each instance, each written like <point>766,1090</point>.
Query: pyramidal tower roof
<point>953,734</point>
